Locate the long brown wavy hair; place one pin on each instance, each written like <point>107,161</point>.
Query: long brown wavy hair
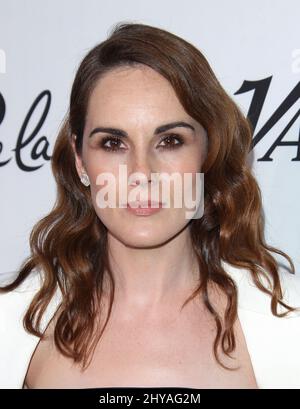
<point>70,244</point>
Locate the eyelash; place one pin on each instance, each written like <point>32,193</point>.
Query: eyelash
<point>116,139</point>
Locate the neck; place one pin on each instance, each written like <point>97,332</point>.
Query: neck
<point>151,278</point>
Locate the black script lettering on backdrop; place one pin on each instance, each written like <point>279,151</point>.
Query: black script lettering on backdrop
<point>2,114</point>
<point>41,145</point>
<point>260,92</point>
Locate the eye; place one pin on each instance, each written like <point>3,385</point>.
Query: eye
<point>112,143</point>
<point>114,146</point>
<point>170,141</point>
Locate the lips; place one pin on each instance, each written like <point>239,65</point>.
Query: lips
<point>144,204</point>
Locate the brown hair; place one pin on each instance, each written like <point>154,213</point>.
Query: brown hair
<point>69,244</point>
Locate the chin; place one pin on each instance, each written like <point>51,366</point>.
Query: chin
<point>141,238</point>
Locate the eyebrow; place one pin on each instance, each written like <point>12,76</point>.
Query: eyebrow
<point>160,129</point>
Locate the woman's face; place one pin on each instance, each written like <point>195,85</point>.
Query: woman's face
<point>137,101</point>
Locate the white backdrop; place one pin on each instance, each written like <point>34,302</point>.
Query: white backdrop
<point>42,43</point>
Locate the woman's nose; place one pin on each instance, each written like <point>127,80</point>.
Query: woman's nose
<point>141,169</point>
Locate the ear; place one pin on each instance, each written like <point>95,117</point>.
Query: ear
<point>78,159</point>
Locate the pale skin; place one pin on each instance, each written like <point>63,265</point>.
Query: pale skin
<point>149,341</point>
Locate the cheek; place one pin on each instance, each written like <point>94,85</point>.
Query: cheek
<point>98,162</point>
<point>103,182</point>
<point>191,193</point>
<point>188,160</point>
<point>188,167</point>
<point>99,166</point>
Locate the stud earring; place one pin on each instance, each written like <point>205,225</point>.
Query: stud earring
<point>85,179</point>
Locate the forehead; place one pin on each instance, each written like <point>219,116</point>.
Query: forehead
<point>133,94</point>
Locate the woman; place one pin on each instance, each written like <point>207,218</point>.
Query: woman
<point>119,296</point>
